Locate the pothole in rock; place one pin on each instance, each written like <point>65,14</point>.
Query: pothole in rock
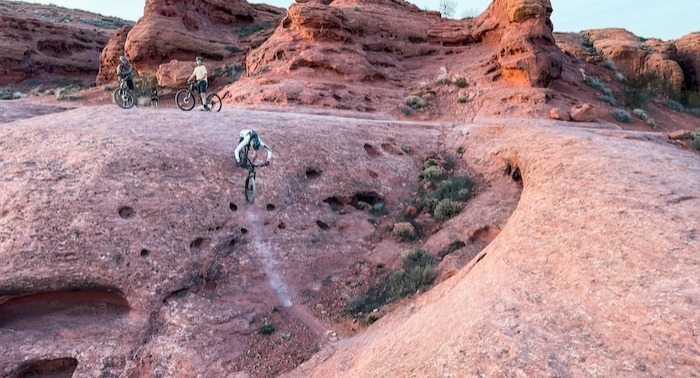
<point>198,243</point>
<point>232,206</point>
<point>56,368</point>
<point>62,309</point>
<point>322,225</point>
<point>312,173</point>
<point>372,151</point>
<point>126,212</point>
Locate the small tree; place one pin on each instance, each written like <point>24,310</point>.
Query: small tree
<point>447,8</point>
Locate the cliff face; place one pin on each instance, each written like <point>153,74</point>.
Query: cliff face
<point>45,43</point>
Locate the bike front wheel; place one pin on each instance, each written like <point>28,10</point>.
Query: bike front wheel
<point>250,188</point>
<point>184,99</point>
<point>124,98</point>
<point>214,102</point>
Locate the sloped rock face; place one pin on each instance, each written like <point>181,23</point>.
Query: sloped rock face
<point>527,53</point>
<point>688,56</point>
<point>633,55</point>
<point>578,283</point>
<point>44,43</point>
<point>323,47</point>
<point>109,58</point>
<point>218,30</point>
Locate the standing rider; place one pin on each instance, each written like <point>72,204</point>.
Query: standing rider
<point>200,74</point>
<point>249,138</point>
<point>125,72</point>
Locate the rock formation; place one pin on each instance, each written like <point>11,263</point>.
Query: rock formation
<point>109,58</point>
<point>46,43</point>
<point>220,31</point>
<point>688,56</point>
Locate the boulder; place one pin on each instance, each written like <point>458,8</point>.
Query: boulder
<point>583,113</point>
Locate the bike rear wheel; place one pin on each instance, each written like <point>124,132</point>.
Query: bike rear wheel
<point>250,188</point>
<point>214,102</point>
<point>124,98</point>
<point>185,99</point>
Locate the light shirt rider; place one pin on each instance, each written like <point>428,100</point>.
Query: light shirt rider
<point>244,140</point>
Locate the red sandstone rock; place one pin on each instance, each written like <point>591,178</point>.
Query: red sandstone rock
<point>583,113</point>
<point>109,58</point>
<point>688,56</point>
<point>45,43</point>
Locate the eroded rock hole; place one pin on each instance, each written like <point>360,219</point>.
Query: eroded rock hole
<point>371,198</point>
<point>197,243</point>
<point>335,203</point>
<point>244,231</point>
<point>144,253</point>
<point>323,225</point>
<point>372,151</point>
<point>57,368</point>
<point>62,309</point>
<point>312,173</point>
<point>514,172</point>
<point>270,207</point>
<point>454,246</point>
<point>126,212</point>
<point>281,226</point>
<point>372,174</point>
<point>232,206</point>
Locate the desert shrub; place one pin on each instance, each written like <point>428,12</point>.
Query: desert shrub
<point>6,94</point>
<point>430,203</point>
<point>417,271</point>
<point>461,82</point>
<point>641,89</point>
<point>641,114</point>
<point>233,72</point>
<point>619,77</point>
<point>608,99</point>
<point>251,29</point>
<point>675,105</point>
<point>379,208</point>
<point>461,99</point>
<point>446,209</point>
<point>405,233</point>
<point>609,64</point>
<point>460,150</point>
<point>416,102</point>
<point>588,45</point>
<point>598,85</point>
<point>443,80</point>
<point>695,136</point>
<point>406,110</point>
<point>621,115</point>
<point>267,328</point>
<point>458,188</point>
<point>361,205</point>
<point>433,173</point>
<point>232,48</point>
<point>429,162</point>
<point>695,112</point>
<point>447,8</point>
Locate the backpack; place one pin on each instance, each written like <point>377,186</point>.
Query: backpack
<point>254,140</point>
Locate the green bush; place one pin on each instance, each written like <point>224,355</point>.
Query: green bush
<point>254,28</point>
<point>695,112</point>
<point>418,271</point>
<point>461,82</point>
<point>675,105</point>
<point>695,139</point>
<point>460,150</point>
<point>443,80</point>
<point>621,115</point>
<point>379,208</point>
<point>609,64</point>
<point>641,114</point>
<point>458,188</point>
<point>430,162</point>
<point>462,100</point>
<point>643,88</point>
<point>619,77</point>
<point>609,99</point>
<point>232,48</point>
<point>588,45</point>
<point>267,328</point>
<point>598,85</point>
<point>446,209</point>
<point>433,173</point>
<point>416,102</point>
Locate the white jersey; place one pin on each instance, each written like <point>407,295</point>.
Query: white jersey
<point>245,141</point>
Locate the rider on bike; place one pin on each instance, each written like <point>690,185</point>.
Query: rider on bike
<point>200,74</point>
<point>249,138</point>
<point>125,72</point>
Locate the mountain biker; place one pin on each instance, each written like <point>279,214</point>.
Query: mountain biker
<point>200,74</point>
<point>250,139</point>
<point>125,72</point>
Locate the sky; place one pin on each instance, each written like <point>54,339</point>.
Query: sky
<point>665,19</point>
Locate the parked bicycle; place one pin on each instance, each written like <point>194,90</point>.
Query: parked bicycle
<point>250,189</point>
<point>186,99</point>
<point>123,96</point>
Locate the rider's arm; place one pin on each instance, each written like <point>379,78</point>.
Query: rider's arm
<point>191,77</point>
<point>269,150</point>
<point>243,143</point>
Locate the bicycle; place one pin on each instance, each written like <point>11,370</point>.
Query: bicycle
<point>123,96</point>
<point>186,99</point>
<point>250,188</point>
